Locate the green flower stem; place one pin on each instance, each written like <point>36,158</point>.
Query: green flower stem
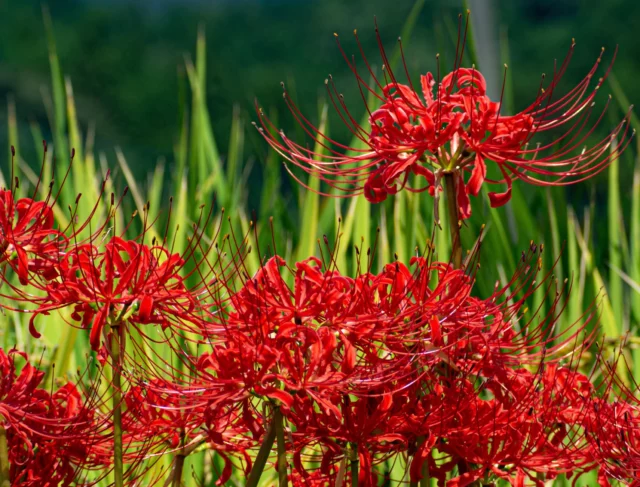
<point>454,220</point>
<point>424,481</point>
<point>179,464</point>
<point>278,420</point>
<point>177,471</point>
<point>116,365</point>
<point>341,472</point>
<point>262,457</point>
<point>4,458</point>
<point>355,463</point>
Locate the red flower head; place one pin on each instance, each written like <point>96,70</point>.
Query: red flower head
<point>126,281</point>
<point>162,417</point>
<point>51,436</point>
<point>28,241</point>
<point>451,126</point>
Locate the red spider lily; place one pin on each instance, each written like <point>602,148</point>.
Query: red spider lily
<point>612,426</point>
<point>612,429</point>
<point>366,430</point>
<point>169,418</point>
<point>51,436</point>
<point>28,241</point>
<point>451,126</point>
<point>521,429</point>
<point>123,279</point>
<point>382,361</point>
<point>126,280</point>
<point>306,338</point>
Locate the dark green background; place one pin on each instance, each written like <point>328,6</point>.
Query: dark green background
<point>125,58</point>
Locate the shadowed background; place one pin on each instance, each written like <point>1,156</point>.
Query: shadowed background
<point>126,58</point>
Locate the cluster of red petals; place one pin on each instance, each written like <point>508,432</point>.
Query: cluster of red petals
<point>28,241</point>
<point>125,279</point>
<point>52,436</point>
<point>163,417</point>
<point>408,362</point>
<point>450,125</point>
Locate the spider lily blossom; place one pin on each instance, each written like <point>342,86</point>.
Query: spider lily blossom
<point>52,435</point>
<point>28,241</point>
<point>126,280</point>
<point>450,125</point>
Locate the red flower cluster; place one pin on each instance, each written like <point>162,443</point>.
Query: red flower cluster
<point>126,280</point>
<point>28,242</point>
<point>52,436</point>
<point>451,126</point>
<point>392,364</point>
<point>164,417</point>
<point>404,363</point>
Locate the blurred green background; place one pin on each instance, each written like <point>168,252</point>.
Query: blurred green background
<point>126,59</point>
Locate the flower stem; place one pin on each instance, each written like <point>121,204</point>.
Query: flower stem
<point>278,420</point>
<point>262,457</point>
<point>454,220</point>
<point>424,481</point>
<point>341,472</point>
<point>116,358</point>
<point>354,466</point>
<point>179,463</point>
<point>177,472</point>
<point>4,458</point>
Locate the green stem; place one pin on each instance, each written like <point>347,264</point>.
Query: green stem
<point>424,481</point>
<point>454,219</point>
<point>355,463</point>
<point>4,458</point>
<point>116,359</point>
<point>262,457</point>
<point>177,472</point>
<point>278,419</point>
<point>179,463</point>
<point>341,472</point>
